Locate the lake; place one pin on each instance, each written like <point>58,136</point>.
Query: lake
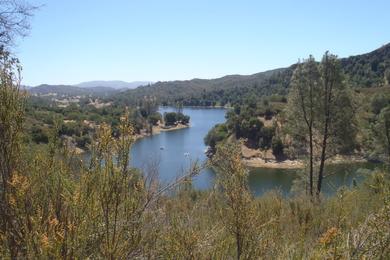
<point>181,147</point>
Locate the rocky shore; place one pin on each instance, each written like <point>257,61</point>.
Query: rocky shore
<point>255,158</point>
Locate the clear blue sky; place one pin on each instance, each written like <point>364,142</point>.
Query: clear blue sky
<point>80,40</point>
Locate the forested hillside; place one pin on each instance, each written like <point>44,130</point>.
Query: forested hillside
<point>116,84</point>
<point>69,90</point>
<point>212,92</point>
<point>370,69</point>
<point>367,70</point>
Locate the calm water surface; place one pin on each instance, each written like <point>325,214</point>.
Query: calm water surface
<point>181,147</point>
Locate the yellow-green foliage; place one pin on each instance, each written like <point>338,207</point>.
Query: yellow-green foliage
<point>53,205</point>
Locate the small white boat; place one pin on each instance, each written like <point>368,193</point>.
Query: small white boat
<point>186,154</point>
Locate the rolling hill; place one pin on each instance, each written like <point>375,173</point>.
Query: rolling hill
<point>366,70</point>
<point>89,88</point>
<point>69,90</point>
<point>116,84</point>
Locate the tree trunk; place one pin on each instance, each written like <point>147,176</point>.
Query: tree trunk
<point>239,246</point>
<point>328,85</point>
<point>322,164</point>
<point>311,163</point>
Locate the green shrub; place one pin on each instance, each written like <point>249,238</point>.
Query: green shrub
<point>277,147</point>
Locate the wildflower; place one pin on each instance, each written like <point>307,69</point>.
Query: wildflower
<point>45,241</point>
<point>329,235</point>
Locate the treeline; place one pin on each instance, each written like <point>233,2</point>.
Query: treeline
<point>362,71</point>
<point>72,91</point>
<point>173,118</point>
<point>224,91</point>
<point>80,121</point>
<point>368,70</point>
<point>377,137</point>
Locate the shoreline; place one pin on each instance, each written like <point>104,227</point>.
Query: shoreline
<point>259,163</point>
<point>158,129</point>
<point>254,158</point>
<point>205,107</point>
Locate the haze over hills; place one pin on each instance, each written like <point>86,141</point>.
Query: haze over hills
<point>97,87</point>
<point>70,90</point>
<point>116,84</point>
<point>367,70</point>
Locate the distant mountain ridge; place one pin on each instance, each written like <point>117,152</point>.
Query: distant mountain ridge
<point>69,90</point>
<point>116,84</point>
<point>366,70</point>
<point>97,88</point>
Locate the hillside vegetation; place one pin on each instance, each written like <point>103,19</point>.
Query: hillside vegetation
<point>367,70</point>
<point>54,205</point>
<point>69,90</point>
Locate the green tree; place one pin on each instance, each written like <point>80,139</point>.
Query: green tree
<point>268,114</point>
<point>382,132</point>
<point>387,76</point>
<point>378,102</point>
<point>320,112</point>
<point>154,118</point>
<point>217,134</point>
<point>250,128</point>
<point>277,147</point>
<point>335,112</point>
<point>305,83</point>
<point>148,105</point>
<point>266,135</point>
<point>170,118</point>
<point>184,119</point>
<point>38,135</point>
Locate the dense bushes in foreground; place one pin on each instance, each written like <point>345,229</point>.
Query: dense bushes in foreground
<point>55,207</point>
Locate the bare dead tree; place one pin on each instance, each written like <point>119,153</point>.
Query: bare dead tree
<point>14,20</point>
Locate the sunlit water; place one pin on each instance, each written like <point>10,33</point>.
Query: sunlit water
<point>172,152</point>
